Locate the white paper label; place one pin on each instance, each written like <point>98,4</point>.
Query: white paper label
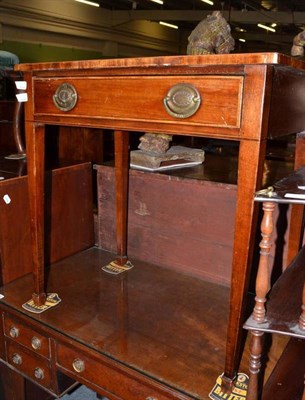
<point>7,199</point>
<point>22,97</point>
<point>295,196</point>
<point>21,85</point>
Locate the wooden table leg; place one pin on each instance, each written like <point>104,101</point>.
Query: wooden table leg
<point>35,137</point>
<point>297,210</point>
<point>251,163</point>
<point>121,140</point>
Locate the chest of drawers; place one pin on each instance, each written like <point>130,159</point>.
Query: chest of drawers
<point>28,350</point>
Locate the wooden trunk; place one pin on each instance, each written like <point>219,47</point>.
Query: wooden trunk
<point>185,224</point>
<point>180,223</point>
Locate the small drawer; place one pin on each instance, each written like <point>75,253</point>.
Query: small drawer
<point>217,99</point>
<point>23,334</point>
<point>33,366</point>
<point>112,378</point>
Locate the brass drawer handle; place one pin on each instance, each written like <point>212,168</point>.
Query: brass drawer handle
<point>39,373</point>
<point>182,100</point>
<point>78,365</point>
<point>65,97</point>
<point>36,343</point>
<point>14,332</point>
<point>151,398</point>
<point>17,359</point>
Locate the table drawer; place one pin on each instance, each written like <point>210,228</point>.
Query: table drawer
<point>114,380</point>
<point>143,99</point>
<point>23,334</point>
<point>28,363</point>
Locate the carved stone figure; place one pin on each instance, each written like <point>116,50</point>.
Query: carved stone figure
<point>155,143</point>
<point>155,152</point>
<point>212,35</point>
<point>297,49</point>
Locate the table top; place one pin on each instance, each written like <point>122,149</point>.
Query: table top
<point>169,61</point>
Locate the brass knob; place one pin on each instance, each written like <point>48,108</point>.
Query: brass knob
<point>36,343</point>
<point>38,373</point>
<point>151,398</point>
<point>14,332</point>
<point>17,359</point>
<point>182,100</point>
<point>65,97</point>
<point>78,365</point>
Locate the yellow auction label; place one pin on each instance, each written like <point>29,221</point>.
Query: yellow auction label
<point>239,391</point>
<point>51,301</point>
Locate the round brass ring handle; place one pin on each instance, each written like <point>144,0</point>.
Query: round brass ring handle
<point>14,332</point>
<point>78,365</point>
<point>65,97</point>
<point>182,100</point>
<point>36,343</point>
<point>17,359</point>
<point>38,373</point>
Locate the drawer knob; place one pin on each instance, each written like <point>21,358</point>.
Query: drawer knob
<point>17,359</point>
<point>14,332</point>
<point>78,365</point>
<point>65,97</point>
<point>36,343</point>
<point>182,100</point>
<point>38,373</point>
<point>151,398</point>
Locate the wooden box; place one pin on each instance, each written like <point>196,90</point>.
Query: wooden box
<point>69,218</point>
<point>180,223</point>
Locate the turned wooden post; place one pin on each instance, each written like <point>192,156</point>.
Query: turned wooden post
<point>261,289</point>
<point>121,141</point>
<point>263,275</point>
<point>256,347</point>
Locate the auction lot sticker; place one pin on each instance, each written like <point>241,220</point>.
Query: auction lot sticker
<point>239,391</point>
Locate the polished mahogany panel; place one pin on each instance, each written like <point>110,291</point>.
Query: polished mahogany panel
<point>145,318</point>
<point>69,218</point>
<point>142,99</point>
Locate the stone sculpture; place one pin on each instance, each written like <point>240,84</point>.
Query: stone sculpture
<point>297,49</point>
<point>155,143</point>
<point>211,36</point>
